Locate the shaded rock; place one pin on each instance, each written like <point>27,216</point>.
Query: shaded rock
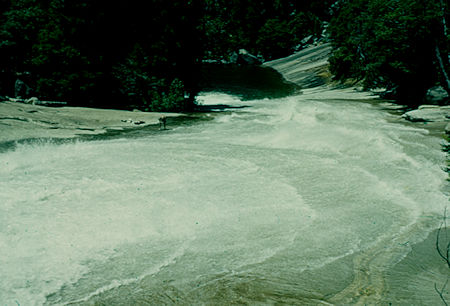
<point>246,58</point>
<point>32,100</point>
<point>428,113</point>
<point>437,95</point>
<point>389,94</point>
<point>447,129</point>
<point>49,103</point>
<point>211,61</point>
<point>234,58</point>
<point>21,88</point>
<point>307,40</point>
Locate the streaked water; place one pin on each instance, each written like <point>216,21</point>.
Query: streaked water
<point>285,201</point>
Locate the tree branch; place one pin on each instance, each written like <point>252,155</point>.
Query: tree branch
<point>446,256</point>
<point>441,292</point>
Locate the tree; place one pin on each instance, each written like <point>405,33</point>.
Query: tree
<point>265,27</point>
<point>389,43</point>
<point>88,52</point>
<point>132,54</point>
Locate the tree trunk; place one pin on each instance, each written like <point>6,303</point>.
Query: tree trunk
<point>446,80</point>
<point>444,22</point>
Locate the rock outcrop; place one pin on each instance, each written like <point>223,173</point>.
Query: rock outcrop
<point>307,68</point>
<point>25,121</point>
<point>429,113</point>
<point>243,57</point>
<point>21,89</point>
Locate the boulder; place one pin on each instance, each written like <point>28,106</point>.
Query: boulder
<point>234,58</point>
<point>32,100</point>
<point>246,58</point>
<point>21,88</point>
<point>428,113</point>
<point>389,94</point>
<point>437,95</point>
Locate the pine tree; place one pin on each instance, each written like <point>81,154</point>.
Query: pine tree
<point>391,44</point>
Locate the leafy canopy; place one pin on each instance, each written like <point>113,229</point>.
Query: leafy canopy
<point>390,43</point>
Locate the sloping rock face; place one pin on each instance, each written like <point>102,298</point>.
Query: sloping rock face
<point>307,68</point>
<point>429,113</point>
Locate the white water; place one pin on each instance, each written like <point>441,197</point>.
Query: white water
<point>265,204</point>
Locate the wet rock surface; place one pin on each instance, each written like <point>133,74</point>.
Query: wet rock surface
<point>23,121</point>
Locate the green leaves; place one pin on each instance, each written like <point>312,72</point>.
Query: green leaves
<point>388,43</point>
<point>103,54</point>
<point>268,28</point>
<point>143,54</point>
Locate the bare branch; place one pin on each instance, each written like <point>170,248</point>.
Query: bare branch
<point>441,292</point>
<point>446,256</point>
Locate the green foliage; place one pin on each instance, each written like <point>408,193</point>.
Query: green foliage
<point>134,78</point>
<point>278,38</point>
<point>275,38</point>
<point>135,54</point>
<point>268,28</point>
<point>94,53</point>
<point>388,43</point>
<point>171,100</point>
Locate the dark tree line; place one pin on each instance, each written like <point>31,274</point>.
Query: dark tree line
<point>147,54</point>
<point>399,45</point>
<point>122,54</point>
<point>270,28</point>
<point>143,54</point>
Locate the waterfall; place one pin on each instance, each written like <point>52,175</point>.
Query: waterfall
<point>285,200</point>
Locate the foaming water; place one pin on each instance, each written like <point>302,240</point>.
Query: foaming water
<point>269,203</point>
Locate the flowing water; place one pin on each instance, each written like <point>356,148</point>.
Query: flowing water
<point>311,199</point>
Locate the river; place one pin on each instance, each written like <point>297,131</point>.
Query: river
<point>319,198</point>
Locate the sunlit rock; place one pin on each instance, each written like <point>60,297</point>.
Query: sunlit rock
<point>428,113</point>
<point>307,68</point>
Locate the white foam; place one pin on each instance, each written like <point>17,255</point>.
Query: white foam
<point>217,98</point>
<point>279,183</point>
<point>116,283</point>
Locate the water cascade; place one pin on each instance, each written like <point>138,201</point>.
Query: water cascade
<point>310,199</point>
